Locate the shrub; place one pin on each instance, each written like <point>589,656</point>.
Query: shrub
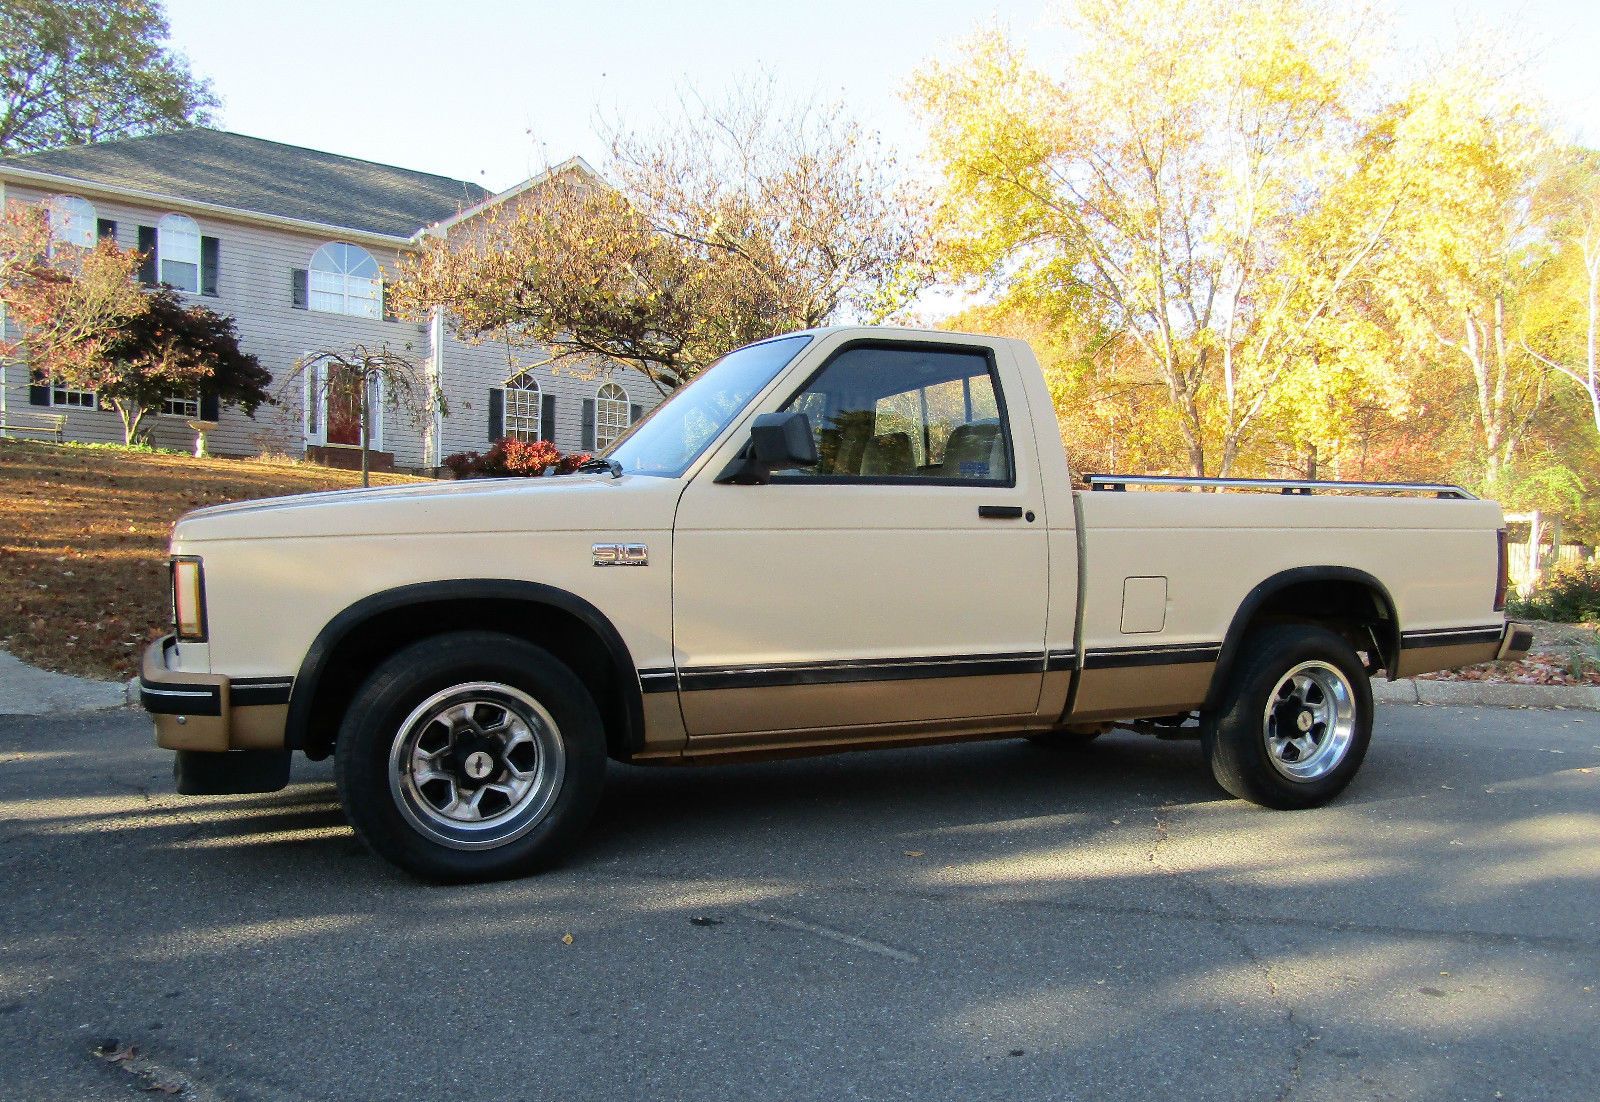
<point>1569,594</point>
<point>512,458</point>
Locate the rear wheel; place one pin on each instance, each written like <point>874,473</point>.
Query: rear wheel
<point>471,756</point>
<point>1295,720</point>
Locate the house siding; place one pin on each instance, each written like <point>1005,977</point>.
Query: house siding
<point>254,288</point>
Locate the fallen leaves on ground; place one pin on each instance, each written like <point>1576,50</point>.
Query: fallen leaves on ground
<point>83,543</point>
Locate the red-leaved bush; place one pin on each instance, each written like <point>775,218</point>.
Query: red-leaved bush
<point>512,458</point>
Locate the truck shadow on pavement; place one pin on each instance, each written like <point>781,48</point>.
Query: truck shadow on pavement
<point>1109,915</point>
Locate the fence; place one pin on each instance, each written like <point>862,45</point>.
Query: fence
<point>1529,557</point>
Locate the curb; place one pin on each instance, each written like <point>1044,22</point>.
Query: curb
<point>1487,694</point>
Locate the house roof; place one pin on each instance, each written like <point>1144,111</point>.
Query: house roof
<point>270,178</point>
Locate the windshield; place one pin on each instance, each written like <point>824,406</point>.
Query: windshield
<point>679,429</point>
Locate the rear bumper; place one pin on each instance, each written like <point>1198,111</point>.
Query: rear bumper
<point>196,711</point>
<point>1515,642</point>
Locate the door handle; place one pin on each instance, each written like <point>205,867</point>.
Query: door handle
<point>1000,512</point>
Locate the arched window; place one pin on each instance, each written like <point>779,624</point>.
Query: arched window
<point>178,252</point>
<point>610,415</point>
<point>71,220</point>
<point>522,407</point>
<point>346,280</point>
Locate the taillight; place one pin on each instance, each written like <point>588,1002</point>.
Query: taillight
<point>1502,576</point>
<point>189,599</point>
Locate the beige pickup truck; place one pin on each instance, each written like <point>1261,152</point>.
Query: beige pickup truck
<point>830,540</point>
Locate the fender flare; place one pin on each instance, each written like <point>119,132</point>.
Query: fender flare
<point>1275,584</point>
<point>338,629</point>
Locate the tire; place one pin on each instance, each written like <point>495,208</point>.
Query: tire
<point>1295,720</point>
<point>471,756</point>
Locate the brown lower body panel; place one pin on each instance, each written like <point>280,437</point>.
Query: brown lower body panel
<point>1415,660</point>
<point>1129,692</point>
<point>747,714</point>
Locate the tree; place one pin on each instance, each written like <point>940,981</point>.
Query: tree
<point>171,349</point>
<point>1172,181</point>
<point>359,374</point>
<point>66,300</point>
<point>1572,197</point>
<point>1461,155</point>
<point>77,71</point>
<point>87,324</point>
<point>737,221</point>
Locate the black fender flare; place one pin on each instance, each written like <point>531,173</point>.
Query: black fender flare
<point>338,629</point>
<point>1275,584</point>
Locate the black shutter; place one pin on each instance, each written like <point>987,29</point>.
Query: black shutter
<point>547,417</point>
<point>38,389</point>
<point>588,424</point>
<point>635,412</point>
<point>383,297</point>
<point>299,295</point>
<point>210,408</point>
<point>210,257</point>
<point>105,230</point>
<point>147,246</point>
<point>497,413</point>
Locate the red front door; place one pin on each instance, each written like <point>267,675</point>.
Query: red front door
<point>344,408</point>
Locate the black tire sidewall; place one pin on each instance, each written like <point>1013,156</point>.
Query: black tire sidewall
<point>1235,742</point>
<point>410,676</point>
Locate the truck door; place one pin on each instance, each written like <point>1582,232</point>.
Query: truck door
<point>900,581</point>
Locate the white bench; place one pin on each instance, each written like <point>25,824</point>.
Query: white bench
<point>53,425</point>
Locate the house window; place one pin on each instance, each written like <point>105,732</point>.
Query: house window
<point>181,405</point>
<point>63,395</point>
<point>610,415</point>
<point>71,221</point>
<point>522,408</point>
<point>346,280</point>
<point>178,252</point>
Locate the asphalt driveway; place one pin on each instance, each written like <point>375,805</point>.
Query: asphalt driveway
<point>985,921</point>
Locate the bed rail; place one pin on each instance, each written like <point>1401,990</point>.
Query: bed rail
<point>1118,482</point>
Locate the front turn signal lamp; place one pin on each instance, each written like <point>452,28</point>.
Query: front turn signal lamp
<point>189,599</point>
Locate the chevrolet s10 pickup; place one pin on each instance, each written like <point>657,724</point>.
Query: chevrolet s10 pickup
<point>830,540</point>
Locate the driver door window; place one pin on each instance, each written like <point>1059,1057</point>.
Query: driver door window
<point>888,414</point>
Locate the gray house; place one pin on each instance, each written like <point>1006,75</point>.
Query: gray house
<point>296,245</point>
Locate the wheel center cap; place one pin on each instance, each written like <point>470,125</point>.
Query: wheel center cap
<point>1304,720</point>
<point>478,765</point>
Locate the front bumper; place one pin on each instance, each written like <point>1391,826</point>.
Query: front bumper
<point>200,711</point>
<point>1515,642</point>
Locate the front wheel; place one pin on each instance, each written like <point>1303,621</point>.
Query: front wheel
<point>470,756</point>
<point>1295,720</point>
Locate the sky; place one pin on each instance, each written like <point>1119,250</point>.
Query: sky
<point>494,90</point>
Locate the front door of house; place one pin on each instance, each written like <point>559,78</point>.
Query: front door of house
<point>344,408</point>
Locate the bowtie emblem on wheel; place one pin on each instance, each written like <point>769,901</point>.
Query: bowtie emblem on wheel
<point>621,554</point>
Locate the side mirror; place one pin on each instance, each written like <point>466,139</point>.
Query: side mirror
<point>777,441</point>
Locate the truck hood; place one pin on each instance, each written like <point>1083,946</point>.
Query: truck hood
<point>561,503</point>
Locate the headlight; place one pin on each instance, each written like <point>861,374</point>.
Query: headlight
<point>189,599</point>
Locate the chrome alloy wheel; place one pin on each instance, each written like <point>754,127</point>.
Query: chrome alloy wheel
<point>1309,721</point>
<point>476,765</point>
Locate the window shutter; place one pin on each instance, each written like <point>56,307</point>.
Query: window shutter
<point>497,413</point>
<point>147,246</point>
<point>210,256</point>
<point>105,230</point>
<point>299,292</point>
<point>547,417</point>
<point>38,389</point>
<point>588,424</point>
<point>383,299</point>
<point>210,408</point>
<point>635,412</point>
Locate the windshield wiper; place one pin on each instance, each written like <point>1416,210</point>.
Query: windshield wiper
<point>598,464</point>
